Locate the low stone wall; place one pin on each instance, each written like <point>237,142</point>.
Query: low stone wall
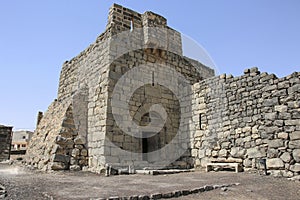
<point>247,118</point>
<point>5,141</point>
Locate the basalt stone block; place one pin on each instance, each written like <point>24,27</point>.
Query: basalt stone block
<point>295,135</point>
<point>294,144</point>
<point>294,122</point>
<point>286,157</point>
<point>58,166</point>
<point>275,163</point>
<point>271,102</point>
<point>276,143</point>
<point>255,153</point>
<point>295,168</point>
<point>296,155</point>
<point>281,108</point>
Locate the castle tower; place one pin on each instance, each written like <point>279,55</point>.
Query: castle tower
<point>87,126</point>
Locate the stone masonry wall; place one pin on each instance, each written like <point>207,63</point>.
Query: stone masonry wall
<point>5,142</point>
<point>247,118</point>
<point>142,99</point>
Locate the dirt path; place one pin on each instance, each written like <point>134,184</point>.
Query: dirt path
<point>26,184</point>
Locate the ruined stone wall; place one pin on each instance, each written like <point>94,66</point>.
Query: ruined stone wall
<point>56,144</point>
<point>243,119</point>
<point>5,142</point>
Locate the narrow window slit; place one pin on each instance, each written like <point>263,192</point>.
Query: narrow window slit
<point>152,78</point>
<point>200,121</point>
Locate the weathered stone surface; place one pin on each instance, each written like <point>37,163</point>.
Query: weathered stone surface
<point>275,163</point>
<point>271,102</point>
<point>58,166</point>
<point>283,135</point>
<point>84,152</point>
<point>287,174</point>
<point>79,140</point>
<point>270,116</point>
<point>295,168</point>
<point>293,89</point>
<point>237,152</point>
<point>275,143</point>
<point>281,108</point>
<point>247,163</point>
<point>255,153</point>
<point>75,168</point>
<point>295,135</point>
<point>294,144</point>
<point>272,153</point>
<point>156,196</point>
<point>61,140</point>
<point>286,157</point>
<point>223,153</point>
<point>292,122</point>
<point>60,158</point>
<point>296,155</point>
<point>75,152</point>
<point>295,178</point>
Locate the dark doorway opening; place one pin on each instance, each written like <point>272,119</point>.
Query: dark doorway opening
<point>150,144</point>
<point>145,148</point>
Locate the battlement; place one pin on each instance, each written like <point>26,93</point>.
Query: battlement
<point>124,19</point>
<point>151,28</point>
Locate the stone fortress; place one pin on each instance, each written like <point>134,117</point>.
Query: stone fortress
<point>222,118</point>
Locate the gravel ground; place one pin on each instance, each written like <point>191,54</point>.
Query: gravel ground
<point>21,183</point>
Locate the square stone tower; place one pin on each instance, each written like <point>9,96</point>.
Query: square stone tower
<point>124,101</point>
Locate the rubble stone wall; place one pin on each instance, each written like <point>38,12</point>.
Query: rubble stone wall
<point>56,144</point>
<point>5,142</point>
<point>248,118</point>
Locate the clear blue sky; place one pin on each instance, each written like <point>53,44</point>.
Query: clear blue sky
<point>36,37</point>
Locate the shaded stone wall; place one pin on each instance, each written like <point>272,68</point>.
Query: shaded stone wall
<point>5,142</point>
<point>243,119</point>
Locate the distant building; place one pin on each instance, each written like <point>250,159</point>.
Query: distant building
<point>5,140</point>
<point>20,140</point>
